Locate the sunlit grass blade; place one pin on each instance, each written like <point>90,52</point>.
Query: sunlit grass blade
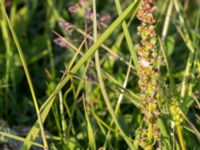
<point>109,50</point>
<point>47,106</point>
<point>119,100</point>
<point>121,37</point>
<point>48,103</point>
<point>9,55</point>
<point>172,84</point>
<point>98,119</point>
<point>117,108</point>
<point>128,36</point>
<point>103,88</point>
<point>116,87</point>
<point>18,138</point>
<point>90,131</point>
<point>22,58</point>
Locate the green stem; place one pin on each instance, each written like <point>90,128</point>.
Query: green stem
<point>167,19</point>
<point>45,108</point>
<point>27,76</point>
<point>102,85</point>
<point>128,36</point>
<point>180,137</point>
<point>5,36</point>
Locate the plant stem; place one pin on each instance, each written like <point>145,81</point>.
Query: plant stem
<point>128,37</point>
<point>102,85</point>
<point>167,19</point>
<point>180,137</point>
<point>27,76</point>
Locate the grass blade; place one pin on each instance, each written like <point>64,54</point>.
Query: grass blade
<point>27,75</point>
<point>19,139</point>
<point>91,136</point>
<point>48,103</point>
<point>128,36</point>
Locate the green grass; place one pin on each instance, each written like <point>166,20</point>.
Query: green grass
<point>85,95</point>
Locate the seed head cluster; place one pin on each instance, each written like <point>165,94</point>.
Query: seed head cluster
<point>148,68</point>
<point>176,113</point>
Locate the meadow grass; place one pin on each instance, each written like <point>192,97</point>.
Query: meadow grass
<point>71,73</point>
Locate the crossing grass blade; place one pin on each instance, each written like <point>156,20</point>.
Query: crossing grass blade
<point>48,103</point>
<point>22,58</point>
<point>128,36</point>
<point>18,138</point>
<point>47,106</point>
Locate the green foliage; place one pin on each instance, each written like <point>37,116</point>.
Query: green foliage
<point>79,79</point>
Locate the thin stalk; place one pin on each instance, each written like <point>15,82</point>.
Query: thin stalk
<point>172,84</point>
<point>197,133</point>
<point>180,137</point>
<point>91,136</point>
<point>52,63</point>
<point>101,82</point>
<point>128,36</point>
<point>56,115</point>
<point>108,126</point>
<point>188,41</point>
<point>111,51</point>
<point>120,38</point>
<point>186,4</point>
<point>117,108</point>
<point>167,19</point>
<point>63,123</point>
<point>71,63</point>
<point>45,108</point>
<point>27,76</point>
<point>7,42</point>
<point>187,73</point>
<point>97,62</point>
<point>185,35</point>
<point>18,138</point>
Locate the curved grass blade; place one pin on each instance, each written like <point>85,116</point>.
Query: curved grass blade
<point>48,103</point>
<point>27,75</point>
<point>128,36</point>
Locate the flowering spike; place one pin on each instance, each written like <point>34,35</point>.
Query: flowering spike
<point>148,72</point>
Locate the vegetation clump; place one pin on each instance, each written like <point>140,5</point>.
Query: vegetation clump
<point>99,74</point>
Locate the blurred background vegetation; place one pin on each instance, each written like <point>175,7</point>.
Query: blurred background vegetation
<point>36,24</point>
